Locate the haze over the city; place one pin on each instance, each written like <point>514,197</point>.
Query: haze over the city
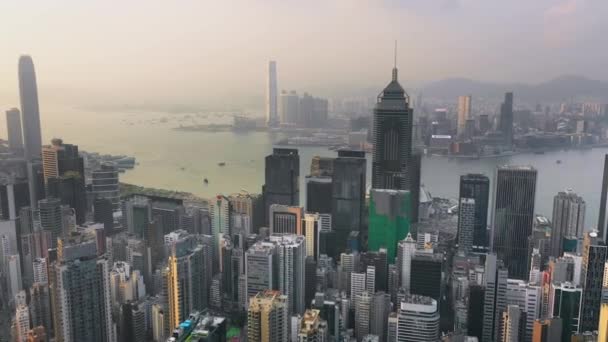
<point>211,52</point>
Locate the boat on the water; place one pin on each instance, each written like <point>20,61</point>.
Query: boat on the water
<point>221,164</point>
<point>206,181</point>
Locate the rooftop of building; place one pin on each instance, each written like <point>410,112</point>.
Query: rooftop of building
<point>517,167</point>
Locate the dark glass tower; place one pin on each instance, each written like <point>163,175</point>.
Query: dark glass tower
<point>348,194</point>
<point>392,138</point>
<point>594,257</point>
<point>282,174</point>
<point>506,119</point>
<point>515,191</point>
<point>28,92</point>
<point>601,224</point>
<point>477,187</point>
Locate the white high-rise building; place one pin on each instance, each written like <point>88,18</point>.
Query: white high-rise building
<point>362,312</point>
<point>14,275</point>
<point>272,115</point>
<point>370,281</point>
<point>418,319</point>
<point>291,252</point>
<point>22,322</point>
<point>357,285</point>
<point>41,274</point>
<point>405,252</point>
<point>528,298</point>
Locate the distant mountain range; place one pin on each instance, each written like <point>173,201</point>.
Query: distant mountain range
<point>563,88</point>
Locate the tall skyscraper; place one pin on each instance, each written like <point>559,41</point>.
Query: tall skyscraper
<point>568,220</point>
<point>601,224</point>
<point>51,217</point>
<point>406,250</point>
<point>267,317</point>
<point>220,226</point>
<point>418,319</point>
<point>59,158</point>
<point>14,131</point>
<point>466,224</point>
<point>477,187</point>
<point>291,252</point>
<point>594,258</point>
<point>185,278</point>
<point>515,191</point>
<point>272,115</point>
<point>285,219</point>
<point>392,129</point>
<point>603,323</point>
<point>261,262</point>
<point>506,119</point>
<point>566,301</point>
<point>513,324</point>
<point>547,330</point>
<point>495,299</point>
<point>105,184</point>
<point>348,194</point>
<point>289,107</point>
<point>28,92</point>
<point>380,309</point>
<point>464,113</point>
<point>80,285</point>
<point>282,178</point>
<point>388,219</point>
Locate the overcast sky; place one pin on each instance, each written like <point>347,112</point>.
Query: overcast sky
<point>197,51</point>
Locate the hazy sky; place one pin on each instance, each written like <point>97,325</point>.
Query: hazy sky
<point>209,51</point>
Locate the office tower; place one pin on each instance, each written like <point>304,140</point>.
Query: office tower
<point>370,279</point>
<point>159,329</point>
<point>495,298</point>
<point>594,258</point>
<point>380,309</point>
<point>312,327</point>
<point>15,281</point>
<point>267,317</point>
<point>505,124</point>
<point>220,226</point>
<point>167,211</point>
<point>466,225</point>
<point>291,253</point>
<point>28,93</point>
<point>14,195</point>
<point>272,116</point>
<point>528,298</point>
<point>285,219</point>
<point>418,319</point>
<point>547,330</point>
<point>260,267</point>
<point>427,268</point>
<point>406,250</point>
<point>103,212</point>
<point>290,106</point>
<point>363,303</point>
<point>415,183</point>
<point>358,284</point>
<point>59,159</point>
<point>477,187</point>
<point>105,184</point>
<point>13,130</point>
<point>391,333</point>
<point>185,278</point>
<point>603,323</point>
<point>601,224</point>
<point>70,190</point>
<point>513,323</point>
<point>475,311</point>
<point>388,219</point>
<point>51,217</point>
<point>311,232</point>
<point>464,113</point>
<point>248,205</point>
<point>137,214</point>
<point>566,303</point>
<point>568,219</point>
<point>348,194</point>
<point>282,178</point>
<point>80,291</point>
<point>515,191</point>
<point>392,129</point>
<point>379,262</point>
<point>310,280</point>
<point>318,193</point>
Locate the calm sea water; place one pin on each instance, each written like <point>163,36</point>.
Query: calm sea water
<point>162,153</point>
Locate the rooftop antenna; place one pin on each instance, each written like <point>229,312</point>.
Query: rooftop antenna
<point>395,63</point>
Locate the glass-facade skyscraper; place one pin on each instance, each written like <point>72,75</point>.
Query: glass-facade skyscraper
<point>477,187</point>
<point>28,92</point>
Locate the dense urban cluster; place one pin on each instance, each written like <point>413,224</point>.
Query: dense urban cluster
<point>82,262</point>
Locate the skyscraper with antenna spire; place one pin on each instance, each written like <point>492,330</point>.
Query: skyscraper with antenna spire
<point>392,130</point>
